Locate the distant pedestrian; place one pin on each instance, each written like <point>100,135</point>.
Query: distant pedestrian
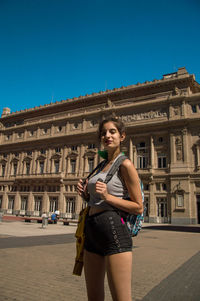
<point>54,218</point>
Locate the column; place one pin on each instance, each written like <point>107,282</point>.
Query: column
<point>68,165</point>
<point>5,199</point>
<point>152,204</point>
<point>34,162</point>
<point>45,165</point>
<point>38,132</point>
<point>198,156</point>
<point>77,166</point>
<point>81,160</point>
<point>172,148</point>
<point>183,109</point>
<point>84,125</point>
<point>135,156</point>
<point>52,130</point>
<point>8,166</point>
<point>67,128</point>
<point>185,145</point>
<point>17,202</point>
<point>152,152</point>
<point>61,199</point>
<point>63,163</point>
<point>131,150</point>
<point>21,164</point>
<point>45,201</point>
<point>30,205</point>
<point>48,166</point>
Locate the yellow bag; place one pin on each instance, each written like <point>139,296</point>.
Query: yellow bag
<point>80,239</point>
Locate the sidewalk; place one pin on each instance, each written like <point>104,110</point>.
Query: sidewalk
<point>36,264</point>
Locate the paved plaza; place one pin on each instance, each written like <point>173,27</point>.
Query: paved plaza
<point>36,264</point>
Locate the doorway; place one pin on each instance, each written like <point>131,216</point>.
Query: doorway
<point>198,209</point>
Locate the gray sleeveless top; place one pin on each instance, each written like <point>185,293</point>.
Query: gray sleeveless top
<point>115,187</point>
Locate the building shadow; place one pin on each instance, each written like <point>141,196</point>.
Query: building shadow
<point>176,228</point>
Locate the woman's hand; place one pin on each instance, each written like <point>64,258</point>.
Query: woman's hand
<point>82,188</point>
<point>101,188</point>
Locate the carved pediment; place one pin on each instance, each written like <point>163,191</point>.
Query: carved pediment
<point>90,153</point>
<point>27,159</point>
<point>41,158</point>
<point>15,160</point>
<point>3,161</point>
<point>56,156</point>
<point>73,154</point>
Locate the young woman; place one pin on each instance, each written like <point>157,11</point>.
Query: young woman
<point>108,244</point>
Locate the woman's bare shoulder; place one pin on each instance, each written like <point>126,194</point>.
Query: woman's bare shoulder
<point>127,164</point>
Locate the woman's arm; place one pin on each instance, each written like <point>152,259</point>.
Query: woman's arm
<point>132,182</point>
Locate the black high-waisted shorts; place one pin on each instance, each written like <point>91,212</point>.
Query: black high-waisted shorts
<point>106,233</point>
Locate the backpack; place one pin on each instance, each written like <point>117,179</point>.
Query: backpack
<point>133,222</point>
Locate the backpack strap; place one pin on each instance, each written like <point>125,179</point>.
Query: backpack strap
<point>114,168</point>
<point>100,165</point>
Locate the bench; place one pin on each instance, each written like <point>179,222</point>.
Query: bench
<point>66,221</point>
<point>28,219</point>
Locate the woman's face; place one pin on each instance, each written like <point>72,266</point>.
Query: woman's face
<point>110,136</point>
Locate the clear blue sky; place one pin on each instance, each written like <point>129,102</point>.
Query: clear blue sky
<point>58,49</point>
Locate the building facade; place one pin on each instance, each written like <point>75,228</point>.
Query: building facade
<point>45,150</point>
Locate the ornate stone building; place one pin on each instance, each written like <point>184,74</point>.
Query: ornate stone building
<point>46,149</point>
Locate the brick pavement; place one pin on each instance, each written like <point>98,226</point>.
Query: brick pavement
<point>40,267</point>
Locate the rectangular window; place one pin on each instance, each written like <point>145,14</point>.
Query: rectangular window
<point>162,207</point>
<point>180,200</point>
<point>91,146</point>
<point>27,168</point>
<point>3,168</point>
<point>73,165</point>
<point>11,202</point>
<point>194,109</point>
<point>53,204</point>
<point>24,201</point>
<point>14,169</point>
<point>142,161</point>
<point>162,161</point>
<point>56,166</point>
<point>41,167</point>
<point>70,206</point>
<point>91,164</point>
<point>158,186</point>
<point>1,200</point>
<point>38,203</point>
